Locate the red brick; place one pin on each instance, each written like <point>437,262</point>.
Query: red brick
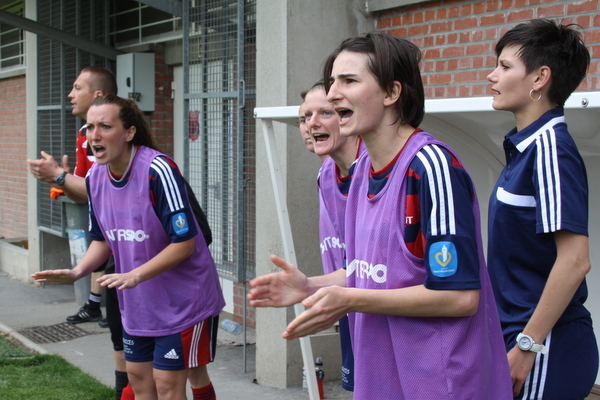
<point>465,77</point>
<point>13,150</point>
<point>440,27</point>
<point>450,91</point>
<point>506,4</point>
<point>427,42</point>
<point>551,11</point>
<point>464,91</point>
<point>582,7</point>
<point>455,51</point>
<point>416,30</point>
<point>440,79</point>
<point>384,23</point>
<point>492,5</point>
<point>466,9</point>
<point>467,23</point>
<point>431,54</point>
<point>479,48</point>
<point>495,19</point>
<point>585,21</point>
<point>479,8</point>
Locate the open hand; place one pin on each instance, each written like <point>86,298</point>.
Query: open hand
<point>128,280</point>
<point>323,309</point>
<point>55,275</point>
<point>279,289</point>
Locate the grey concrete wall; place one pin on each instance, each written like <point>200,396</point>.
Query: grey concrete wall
<point>293,40</point>
<point>34,251</point>
<point>13,259</point>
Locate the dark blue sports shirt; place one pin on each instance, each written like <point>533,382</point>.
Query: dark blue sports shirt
<point>542,189</point>
<point>422,186</point>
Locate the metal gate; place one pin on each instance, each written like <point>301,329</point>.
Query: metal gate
<point>57,67</point>
<point>219,97</point>
<point>219,50</point>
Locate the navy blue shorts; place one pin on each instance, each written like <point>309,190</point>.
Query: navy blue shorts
<point>347,355</point>
<point>189,349</point>
<point>569,369</point>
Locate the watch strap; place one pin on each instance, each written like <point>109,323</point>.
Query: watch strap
<point>539,348</point>
<point>60,179</point>
<point>535,347</point>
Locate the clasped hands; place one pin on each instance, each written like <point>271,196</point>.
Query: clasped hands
<point>46,168</point>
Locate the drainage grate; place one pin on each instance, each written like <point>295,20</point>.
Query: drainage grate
<point>54,333</point>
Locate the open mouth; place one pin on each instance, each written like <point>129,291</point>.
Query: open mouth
<point>321,137</point>
<point>98,150</point>
<point>344,114</point>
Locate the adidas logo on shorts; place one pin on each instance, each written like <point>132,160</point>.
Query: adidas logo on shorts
<point>172,355</point>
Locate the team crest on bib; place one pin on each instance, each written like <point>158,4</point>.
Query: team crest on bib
<point>180,225</point>
<point>443,259</point>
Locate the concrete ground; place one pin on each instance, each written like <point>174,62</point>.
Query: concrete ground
<point>26,309</point>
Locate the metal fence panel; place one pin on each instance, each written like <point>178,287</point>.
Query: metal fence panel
<point>58,66</point>
<point>219,38</point>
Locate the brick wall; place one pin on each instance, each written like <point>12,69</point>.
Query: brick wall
<point>238,306</point>
<point>162,117</point>
<point>457,38</point>
<point>13,144</point>
<point>13,153</point>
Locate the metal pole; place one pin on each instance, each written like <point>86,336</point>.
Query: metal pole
<point>288,245</point>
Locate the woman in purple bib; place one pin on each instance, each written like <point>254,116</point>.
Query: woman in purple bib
<point>169,292</point>
<point>423,320</point>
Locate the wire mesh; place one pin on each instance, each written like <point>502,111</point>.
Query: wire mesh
<point>221,145</point>
<point>58,66</point>
<point>219,103</point>
<point>135,23</point>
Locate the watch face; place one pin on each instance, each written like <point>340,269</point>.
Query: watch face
<point>525,343</point>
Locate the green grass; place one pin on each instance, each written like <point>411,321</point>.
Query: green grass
<point>47,377</point>
<point>8,349</point>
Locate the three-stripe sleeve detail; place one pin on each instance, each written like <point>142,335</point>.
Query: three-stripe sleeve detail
<point>548,175</point>
<point>172,193</point>
<point>442,219</point>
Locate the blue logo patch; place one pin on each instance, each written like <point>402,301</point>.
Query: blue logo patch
<point>443,259</point>
<point>180,225</point>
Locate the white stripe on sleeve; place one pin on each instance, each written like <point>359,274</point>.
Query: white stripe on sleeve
<point>438,173</point>
<point>170,187</point>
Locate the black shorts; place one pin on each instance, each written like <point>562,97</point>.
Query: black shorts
<point>103,266</point>
<point>113,313</point>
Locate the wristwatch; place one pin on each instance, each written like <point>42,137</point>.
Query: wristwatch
<point>526,343</point>
<point>60,180</point>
